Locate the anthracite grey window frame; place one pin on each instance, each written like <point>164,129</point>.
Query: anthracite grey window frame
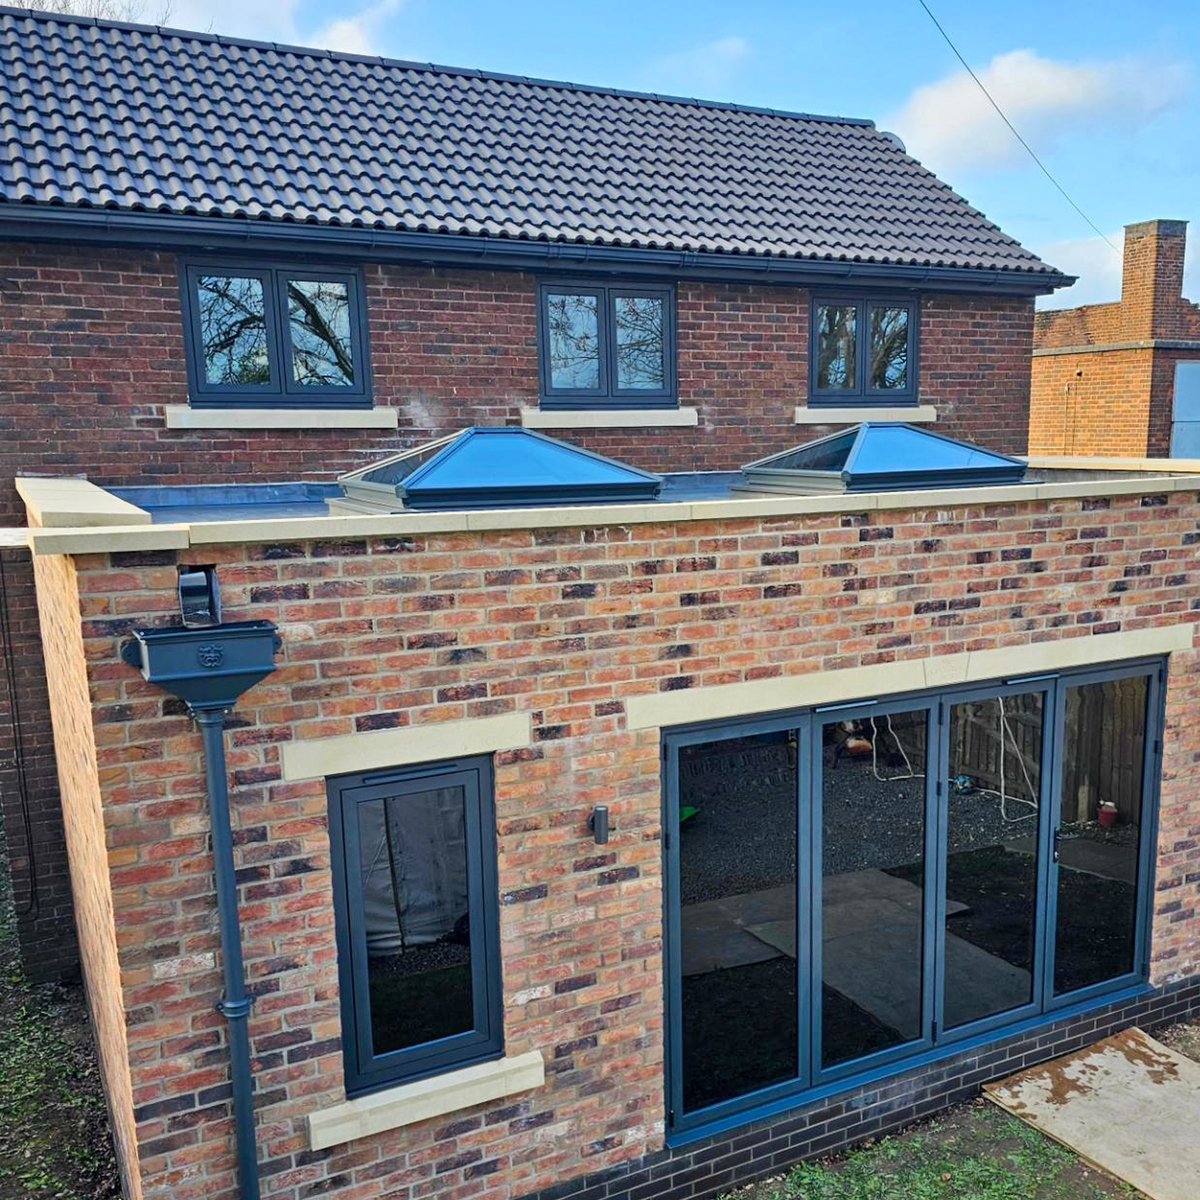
<point>365,1070</point>
<point>812,1081</point>
<point>861,394</point>
<point>607,395</point>
<point>283,392</point>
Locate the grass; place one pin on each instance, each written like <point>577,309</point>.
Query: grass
<point>54,1140</point>
<point>974,1153</point>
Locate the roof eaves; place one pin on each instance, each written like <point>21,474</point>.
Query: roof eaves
<point>142,227</point>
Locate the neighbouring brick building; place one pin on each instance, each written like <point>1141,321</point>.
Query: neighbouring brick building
<point>604,842</point>
<point>1106,376</point>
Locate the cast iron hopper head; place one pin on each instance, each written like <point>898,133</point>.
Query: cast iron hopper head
<point>206,668</point>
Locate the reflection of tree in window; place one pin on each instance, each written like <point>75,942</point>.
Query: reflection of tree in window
<point>573,324</point>
<point>639,322</point>
<point>889,348</point>
<point>836,330</point>
<point>319,321</point>
<point>233,329</point>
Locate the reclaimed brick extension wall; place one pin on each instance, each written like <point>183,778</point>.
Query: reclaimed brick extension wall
<point>91,349</point>
<point>564,624</point>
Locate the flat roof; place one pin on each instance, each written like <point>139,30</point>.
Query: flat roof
<point>75,516</point>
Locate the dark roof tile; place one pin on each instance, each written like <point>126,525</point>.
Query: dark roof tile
<point>110,115</point>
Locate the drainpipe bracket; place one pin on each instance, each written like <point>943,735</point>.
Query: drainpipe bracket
<point>235,1010</point>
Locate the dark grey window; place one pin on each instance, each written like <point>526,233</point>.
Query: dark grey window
<point>607,344</point>
<point>418,947</point>
<point>863,349</point>
<point>274,336</point>
<point>866,886</point>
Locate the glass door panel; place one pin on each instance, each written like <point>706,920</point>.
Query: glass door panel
<point>738,1004</point>
<point>1097,843</point>
<point>992,837</point>
<point>873,866</point>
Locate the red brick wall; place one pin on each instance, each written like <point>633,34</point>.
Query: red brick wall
<point>565,625</point>
<point>1118,401</point>
<point>91,348</point>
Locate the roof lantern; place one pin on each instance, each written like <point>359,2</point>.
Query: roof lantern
<point>880,456</point>
<point>502,467</point>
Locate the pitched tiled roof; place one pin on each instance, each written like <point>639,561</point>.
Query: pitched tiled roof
<point>130,118</point>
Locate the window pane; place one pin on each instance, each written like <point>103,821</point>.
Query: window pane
<point>889,348</point>
<point>573,327</point>
<point>233,330</point>
<point>991,859</point>
<point>873,884</point>
<point>1102,804</point>
<point>737,868</point>
<point>319,323</point>
<point>415,907</point>
<point>641,362</point>
<point>836,332</point>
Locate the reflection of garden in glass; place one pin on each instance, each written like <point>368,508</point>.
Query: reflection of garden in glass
<point>889,348</point>
<point>415,899</point>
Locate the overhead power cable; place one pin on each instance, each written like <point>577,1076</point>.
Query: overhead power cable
<point>1013,130</point>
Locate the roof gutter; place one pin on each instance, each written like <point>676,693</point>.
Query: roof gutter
<point>41,223</point>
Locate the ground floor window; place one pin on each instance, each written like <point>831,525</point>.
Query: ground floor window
<point>854,887</point>
<point>415,898</point>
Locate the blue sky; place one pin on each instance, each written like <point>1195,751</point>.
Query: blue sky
<point>1109,98</point>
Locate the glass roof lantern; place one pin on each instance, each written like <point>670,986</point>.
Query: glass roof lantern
<point>880,456</point>
<point>501,467</point>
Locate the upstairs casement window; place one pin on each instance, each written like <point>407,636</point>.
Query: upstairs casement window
<point>864,349</point>
<point>275,337</point>
<point>607,345</point>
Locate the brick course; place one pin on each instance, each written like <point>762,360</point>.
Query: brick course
<point>91,349</point>
<point>1116,397</point>
<point>429,628</point>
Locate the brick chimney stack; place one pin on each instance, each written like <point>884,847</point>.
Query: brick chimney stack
<point>1152,280</point>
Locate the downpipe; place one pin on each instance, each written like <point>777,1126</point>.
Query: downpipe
<point>209,668</point>
<point>235,1003</point>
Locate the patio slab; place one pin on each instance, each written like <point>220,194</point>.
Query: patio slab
<point>1128,1105</point>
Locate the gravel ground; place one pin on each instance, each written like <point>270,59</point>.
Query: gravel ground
<point>742,838</point>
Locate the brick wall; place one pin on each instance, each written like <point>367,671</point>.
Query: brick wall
<point>91,350</point>
<point>1117,399</point>
<point>564,624</point>
<point>1097,403</point>
<point>29,801</point>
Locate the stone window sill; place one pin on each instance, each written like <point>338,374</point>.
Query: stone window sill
<point>913,414</point>
<point>182,416</point>
<point>426,1098</point>
<point>613,418</point>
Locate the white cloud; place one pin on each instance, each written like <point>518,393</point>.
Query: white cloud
<point>358,33</point>
<point>698,69</point>
<point>1099,269</point>
<point>1097,265</point>
<point>950,125</point>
